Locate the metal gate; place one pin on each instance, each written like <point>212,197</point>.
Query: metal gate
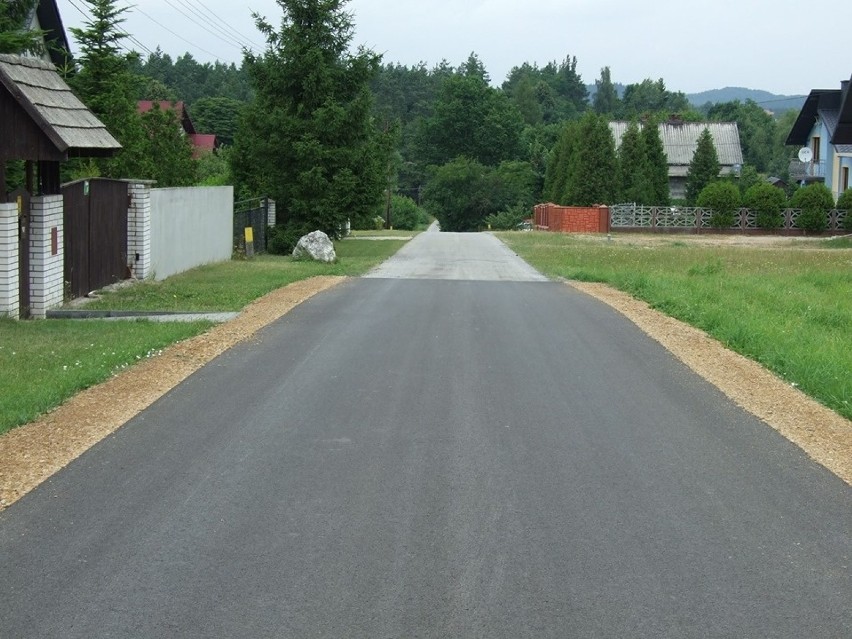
<point>22,197</point>
<point>252,213</point>
<point>95,234</point>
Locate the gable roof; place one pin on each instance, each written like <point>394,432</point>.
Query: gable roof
<point>143,106</point>
<point>680,139</point>
<point>55,37</point>
<point>48,101</point>
<point>843,132</point>
<point>834,107</point>
<point>203,143</point>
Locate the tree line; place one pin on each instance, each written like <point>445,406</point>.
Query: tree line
<point>330,133</point>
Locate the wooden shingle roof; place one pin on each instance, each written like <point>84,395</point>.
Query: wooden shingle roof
<point>66,122</point>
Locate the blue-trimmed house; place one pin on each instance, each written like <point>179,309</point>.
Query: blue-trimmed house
<point>824,126</point>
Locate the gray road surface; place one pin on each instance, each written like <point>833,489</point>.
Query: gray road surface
<point>436,458</point>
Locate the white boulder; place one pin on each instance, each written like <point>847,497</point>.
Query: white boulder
<point>315,246</point>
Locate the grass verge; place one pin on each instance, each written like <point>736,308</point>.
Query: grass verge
<point>788,309</point>
<point>43,363</point>
<point>229,286</point>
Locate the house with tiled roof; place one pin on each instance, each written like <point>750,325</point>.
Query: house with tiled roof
<point>201,142</point>
<point>824,126</point>
<point>680,139</point>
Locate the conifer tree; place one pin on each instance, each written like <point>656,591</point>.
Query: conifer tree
<point>606,97</point>
<point>105,84</point>
<point>556,174</point>
<point>15,34</point>
<point>657,165</point>
<point>308,139</point>
<point>592,175</point>
<point>634,184</point>
<point>704,167</point>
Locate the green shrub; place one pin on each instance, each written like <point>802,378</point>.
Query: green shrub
<point>509,219</point>
<point>768,203</point>
<point>282,238</point>
<point>816,201</point>
<point>723,198</point>
<point>405,214</point>
<point>844,203</point>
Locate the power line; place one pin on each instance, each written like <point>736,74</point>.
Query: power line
<point>119,44</point>
<point>226,31</point>
<point>242,38</point>
<point>229,40</point>
<point>178,36</point>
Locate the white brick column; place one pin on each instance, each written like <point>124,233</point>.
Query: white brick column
<point>139,230</point>
<point>270,217</point>
<point>9,261</point>
<point>47,255</point>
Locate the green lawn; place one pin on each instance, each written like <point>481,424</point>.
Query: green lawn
<point>229,286</point>
<point>788,308</point>
<point>43,363</point>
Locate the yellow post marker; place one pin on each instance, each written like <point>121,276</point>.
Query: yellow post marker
<point>249,241</point>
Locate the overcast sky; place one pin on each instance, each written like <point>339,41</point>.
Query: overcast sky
<point>783,46</point>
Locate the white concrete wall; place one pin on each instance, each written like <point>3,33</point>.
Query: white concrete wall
<point>9,265</point>
<point>190,227</point>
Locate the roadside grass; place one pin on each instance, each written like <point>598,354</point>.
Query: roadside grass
<point>229,286</point>
<point>45,362</point>
<point>789,309</point>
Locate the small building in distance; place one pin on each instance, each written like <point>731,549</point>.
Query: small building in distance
<point>202,143</point>
<point>680,139</point>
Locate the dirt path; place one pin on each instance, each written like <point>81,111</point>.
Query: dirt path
<point>32,453</point>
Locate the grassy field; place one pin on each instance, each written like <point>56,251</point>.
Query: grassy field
<point>43,363</point>
<point>789,308</point>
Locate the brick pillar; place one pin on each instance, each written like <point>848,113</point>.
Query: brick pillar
<point>270,220</point>
<point>139,230</point>
<point>47,256</point>
<point>9,264</point>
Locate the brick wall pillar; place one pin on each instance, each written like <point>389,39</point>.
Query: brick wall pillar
<point>139,230</point>
<point>47,255</point>
<point>270,219</point>
<point>9,261</point>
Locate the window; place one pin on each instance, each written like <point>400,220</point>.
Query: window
<point>815,148</point>
<point>844,179</point>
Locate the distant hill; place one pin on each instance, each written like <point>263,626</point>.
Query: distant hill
<point>765,99</point>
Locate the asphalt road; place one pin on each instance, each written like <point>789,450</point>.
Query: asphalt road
<point>436,458</point>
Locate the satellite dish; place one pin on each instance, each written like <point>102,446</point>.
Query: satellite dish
<point>805,155</point>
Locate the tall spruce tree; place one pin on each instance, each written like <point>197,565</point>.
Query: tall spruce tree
<point>704,167</point>
<point>105,84</point>
<point>308,139</point>
<point>556,174</point>
<point>15,34</point>
<point>657,165</point>
<point>606,97</point>
<point>634,184</point>
<point>592,175</point>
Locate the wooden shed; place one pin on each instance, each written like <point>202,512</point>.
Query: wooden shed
<point>41,120</point>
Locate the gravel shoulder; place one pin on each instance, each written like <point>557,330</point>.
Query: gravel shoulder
<point>32,453</point>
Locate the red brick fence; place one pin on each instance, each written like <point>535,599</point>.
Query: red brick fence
<point>571,219</point>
